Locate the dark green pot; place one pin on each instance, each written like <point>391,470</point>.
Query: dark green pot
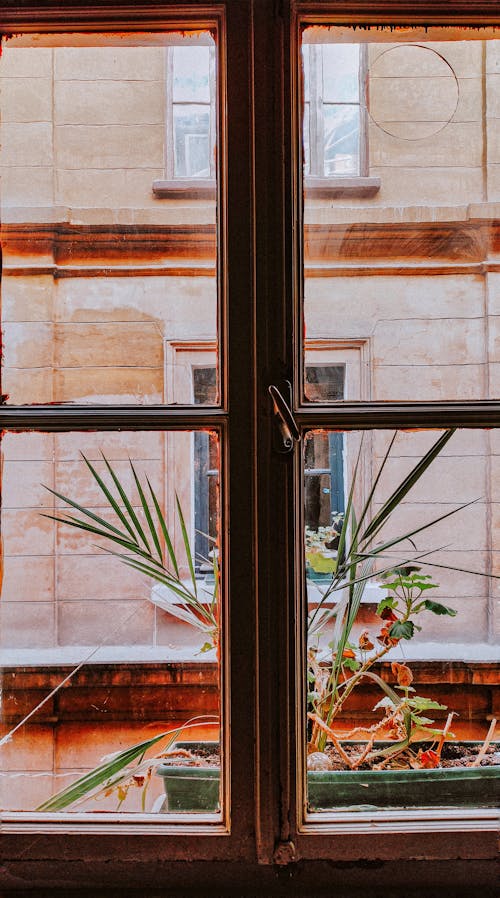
<point>196,789</point>
<point>451,787</point>
<point>190,788</point>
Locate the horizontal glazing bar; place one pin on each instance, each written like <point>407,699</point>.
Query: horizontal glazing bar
<point>112,417</point>
<point>355,415</point>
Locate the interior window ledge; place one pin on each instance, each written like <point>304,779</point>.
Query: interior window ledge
<point>188,189</point>
<point>337,188</point>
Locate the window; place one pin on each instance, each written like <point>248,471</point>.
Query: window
<point>153,330</point>
<point>191,112</point>
<point>190,119</point>
<point>335,121</point>
<point>334,110</point>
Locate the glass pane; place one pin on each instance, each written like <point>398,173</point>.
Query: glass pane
<point>403,262</point>
<point>192,144</point>
<point>191,75</point>
<point>341,136</point>
<point>107,283</point>
<point>107,638</point>
<point>401,619</point>
<point>325,383</point>
<point>341,73</point>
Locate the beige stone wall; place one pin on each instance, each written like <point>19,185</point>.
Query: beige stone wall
<point>83,137</point>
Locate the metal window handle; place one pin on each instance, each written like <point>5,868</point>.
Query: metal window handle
<point>288,432</point>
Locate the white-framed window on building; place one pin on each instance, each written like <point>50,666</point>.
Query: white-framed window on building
<point>190,147</point>
<point>335,134</point>
<point>335,120</point>
<point>190,117</point>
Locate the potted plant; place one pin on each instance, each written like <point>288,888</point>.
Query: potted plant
<point>399,757</point>
<point>412,752</point>
<point>146,547</point>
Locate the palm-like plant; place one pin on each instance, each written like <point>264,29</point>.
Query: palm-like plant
<point>358,554</point>
<point>149,549</point>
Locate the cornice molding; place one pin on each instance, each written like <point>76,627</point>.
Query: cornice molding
<point>66,249</point>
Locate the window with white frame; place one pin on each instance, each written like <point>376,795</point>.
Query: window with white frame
<point>335,127</point>
<point>190,112</point>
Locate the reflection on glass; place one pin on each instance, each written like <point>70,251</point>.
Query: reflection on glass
<point>192,150</point>
<point>401,192</point>
<point>105,279</point>
<point>402,571</point>
<point>340,73</point>
<point>191,74</point>
<point>110,622</point>
<point>341,140</point>
<point>332,109</point>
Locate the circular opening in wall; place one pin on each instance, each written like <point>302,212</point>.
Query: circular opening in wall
<point>412,92</point>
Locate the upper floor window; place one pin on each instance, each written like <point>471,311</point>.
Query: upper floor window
<point>190,112</point>
<point>190,119</point>
<point>334,110</point>
<point>335,118</point>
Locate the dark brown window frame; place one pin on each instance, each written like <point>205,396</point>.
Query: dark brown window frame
<point>265,832</point>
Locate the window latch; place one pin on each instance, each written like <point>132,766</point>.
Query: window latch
<point>287,432</point>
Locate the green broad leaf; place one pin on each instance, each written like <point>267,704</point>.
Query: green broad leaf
<point>421,721</point>
<point>320,563</point>
<point>407,570</point>
<point>425,704</point>
<point>351,664</point>
<point>395,584</point>
<point>388,602</point>
<point>402,629</point>
<point>437,608</point>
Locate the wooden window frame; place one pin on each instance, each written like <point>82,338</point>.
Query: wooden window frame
<point>263,666</point>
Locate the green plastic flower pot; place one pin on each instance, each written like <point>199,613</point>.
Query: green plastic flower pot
<point>190,788</point>
<point>451,787</point>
